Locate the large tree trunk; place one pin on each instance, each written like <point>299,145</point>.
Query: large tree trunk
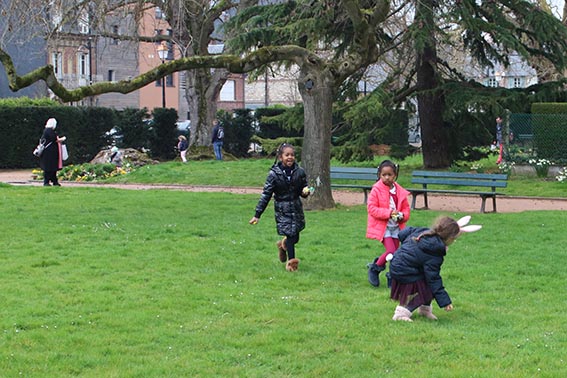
<point>430,100</point>
<point>202,92</point>
<point>201,108</point>
<point>316,152</point>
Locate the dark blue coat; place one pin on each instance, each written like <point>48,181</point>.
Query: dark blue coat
<point>420,260</point>
<point>287,202</point>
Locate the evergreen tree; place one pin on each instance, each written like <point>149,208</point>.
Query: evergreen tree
<point>490,31</point>
<point>337,40</point>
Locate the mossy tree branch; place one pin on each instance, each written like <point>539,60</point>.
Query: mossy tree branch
<point>232,63</point>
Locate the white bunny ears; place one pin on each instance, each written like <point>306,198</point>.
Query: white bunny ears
<point>470,228</point>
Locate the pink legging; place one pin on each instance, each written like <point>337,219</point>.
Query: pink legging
<point>391,245</point>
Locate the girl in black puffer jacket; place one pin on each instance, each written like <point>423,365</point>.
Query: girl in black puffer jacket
<point>287,182</point>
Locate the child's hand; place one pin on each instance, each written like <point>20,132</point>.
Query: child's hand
<point>306,192</point>
<point>397,216</point>
<point>254,220</point>
<point>449,308</point>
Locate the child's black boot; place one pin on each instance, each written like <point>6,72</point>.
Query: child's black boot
<point>374,272</point>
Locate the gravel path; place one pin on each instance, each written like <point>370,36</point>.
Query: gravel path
<point>471,204</point>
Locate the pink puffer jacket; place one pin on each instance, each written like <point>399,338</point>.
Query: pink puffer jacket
<point>379,209</point>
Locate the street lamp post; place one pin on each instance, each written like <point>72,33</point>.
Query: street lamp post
<point>90,48</point>
<point>162,52</point>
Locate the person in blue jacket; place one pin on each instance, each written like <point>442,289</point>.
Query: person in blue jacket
<point>415,269</point>
<point>287,182</point>
<point>218,139</point>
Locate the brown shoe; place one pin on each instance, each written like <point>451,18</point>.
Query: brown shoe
<point>292,265</point>
<point>282,250</point>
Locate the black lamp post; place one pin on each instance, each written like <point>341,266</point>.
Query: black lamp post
<point>90,48</point>
<point>162,52</point>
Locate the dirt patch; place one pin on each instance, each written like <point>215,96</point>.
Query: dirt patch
<point>470,204</point>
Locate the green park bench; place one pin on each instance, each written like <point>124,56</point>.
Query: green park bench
<point>445,180</point>
<point>354,178</point>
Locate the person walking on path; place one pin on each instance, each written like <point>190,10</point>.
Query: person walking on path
<point>499,141</point>
<point>50,160</point>
<point>388,212</point>
<point>287,182</point>
<point>182,146</point>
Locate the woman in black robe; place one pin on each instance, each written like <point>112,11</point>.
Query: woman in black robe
<point>50,160</point>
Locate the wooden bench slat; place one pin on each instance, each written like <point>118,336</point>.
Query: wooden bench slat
<point>460,182</point>
<point>471,192</point>
<point>472,176</point>
<point>359,176</point>
<point>354,170</point>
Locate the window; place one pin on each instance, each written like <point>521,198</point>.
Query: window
<point>517,83</point>
<point>159,14</point>
<point>491,82</point>
<point>227,92</point>
<point>84,23</point>
<point>111,75</point>
<point>115,31</point>
<point>183,80</point>
<point>57,63</point>
<point>83,61</point>
<point>169,81</point>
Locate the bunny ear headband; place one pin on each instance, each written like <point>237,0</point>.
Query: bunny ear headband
<point>463,224</point>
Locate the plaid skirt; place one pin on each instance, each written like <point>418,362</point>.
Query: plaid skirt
<point>411,295</point>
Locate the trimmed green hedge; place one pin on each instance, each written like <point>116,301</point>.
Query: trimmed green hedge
<point>21,128</point>
<point>549,122</point>
<point>86,128</point>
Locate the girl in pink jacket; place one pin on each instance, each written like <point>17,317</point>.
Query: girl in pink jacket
<point>388,212</point>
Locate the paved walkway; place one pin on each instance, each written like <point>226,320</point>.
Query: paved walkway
<point>505,204</point>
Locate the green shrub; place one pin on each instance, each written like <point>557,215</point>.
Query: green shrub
<point>163,134</point>
<point>238,131</point>
<point>91,172</point>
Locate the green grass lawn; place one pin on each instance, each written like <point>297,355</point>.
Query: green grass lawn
<point>100,282</point>
<point>253,172</point>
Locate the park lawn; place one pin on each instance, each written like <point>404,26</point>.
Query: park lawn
<point>100,282</point>
<point>253,172</point>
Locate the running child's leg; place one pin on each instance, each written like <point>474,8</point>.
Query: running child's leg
<point>391,245</point>
<point>290,243</point>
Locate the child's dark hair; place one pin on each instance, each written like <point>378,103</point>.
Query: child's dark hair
<point>445,227</point>
<point>280,149</point>
<point>388,163</point>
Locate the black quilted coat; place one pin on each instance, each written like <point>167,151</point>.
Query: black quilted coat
<point>287,202</point>
<point>420,260</point>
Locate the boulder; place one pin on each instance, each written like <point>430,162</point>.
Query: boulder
<point>130,155</point>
